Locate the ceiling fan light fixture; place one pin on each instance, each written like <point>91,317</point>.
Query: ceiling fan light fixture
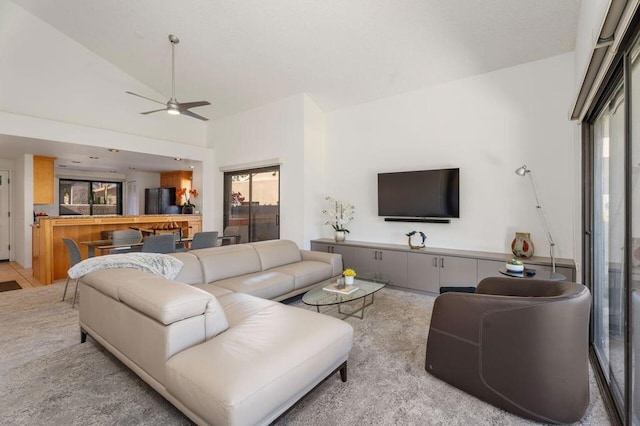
<point>174,107</point>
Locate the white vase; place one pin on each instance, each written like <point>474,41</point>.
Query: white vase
<point>348,280</point>
<point>339,236</point>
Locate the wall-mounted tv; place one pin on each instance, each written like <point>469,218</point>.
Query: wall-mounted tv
<point>424,193</point>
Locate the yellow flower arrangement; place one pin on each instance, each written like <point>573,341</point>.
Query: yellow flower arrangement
<point>349,273</point>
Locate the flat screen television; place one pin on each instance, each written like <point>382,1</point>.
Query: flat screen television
<point>424,193</point>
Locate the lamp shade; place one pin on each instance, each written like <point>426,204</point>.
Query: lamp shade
<point>521,171</point>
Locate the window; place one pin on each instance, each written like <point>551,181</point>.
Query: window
<point>252,204</point>
<point>84,197</point>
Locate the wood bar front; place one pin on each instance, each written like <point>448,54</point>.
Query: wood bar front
<point>49,256</point>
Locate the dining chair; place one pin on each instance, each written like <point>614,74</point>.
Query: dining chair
<point>164,243</point>
<point>124,237</point>
<point>233,232</point>
<point>204,240</point>
<point>74,257</point>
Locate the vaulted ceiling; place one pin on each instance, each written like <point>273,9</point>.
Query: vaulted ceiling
<point>243,54</point>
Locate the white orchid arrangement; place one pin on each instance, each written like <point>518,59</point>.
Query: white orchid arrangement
<point>339,215</point>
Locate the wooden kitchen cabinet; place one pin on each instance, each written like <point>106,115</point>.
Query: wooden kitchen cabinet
<point>43,180</point>
<point>177,179</point>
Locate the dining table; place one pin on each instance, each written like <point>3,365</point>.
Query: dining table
<point>102,245</point>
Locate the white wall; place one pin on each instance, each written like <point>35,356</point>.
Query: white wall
<point>488,126</point>
<point>274,131</point>
<point>44,73</point>
<point>143,180</point>
<point>314,169</point>
<point>22,193</point>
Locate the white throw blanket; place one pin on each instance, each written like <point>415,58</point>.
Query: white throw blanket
<point>155,263</point>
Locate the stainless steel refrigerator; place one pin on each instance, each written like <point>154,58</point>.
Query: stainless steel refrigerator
<point>160,201</point>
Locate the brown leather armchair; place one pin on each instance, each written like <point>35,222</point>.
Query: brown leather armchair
<point>519,344</point>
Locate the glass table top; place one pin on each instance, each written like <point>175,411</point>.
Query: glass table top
<point>367,283</point>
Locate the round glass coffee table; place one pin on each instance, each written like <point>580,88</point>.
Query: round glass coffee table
<point>367,285</point>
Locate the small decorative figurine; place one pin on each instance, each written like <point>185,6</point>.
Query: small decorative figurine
<point>411,234</point>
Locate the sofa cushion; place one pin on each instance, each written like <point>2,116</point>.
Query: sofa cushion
<point>307,272</point>
<point>256,370</point>
<point>267,284</point>
<point>213,289</point>
<point>169,301</point>
<point>275,253</point>
<point>107,281</point>
<point>238,307</point>
<point>191,272</point>
<point>223,262</point>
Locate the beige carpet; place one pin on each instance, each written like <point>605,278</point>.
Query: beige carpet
<point>48,378</point>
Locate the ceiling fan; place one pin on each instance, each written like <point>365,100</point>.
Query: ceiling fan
<point>174,107</point>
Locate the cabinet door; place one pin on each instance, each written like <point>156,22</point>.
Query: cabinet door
<point>43,180</point>
<point>393,264</point>
<point>321,247</point>
<point>365,260</point>
<point>348,255</point>
<point>489,268</point>
<point>423,272</point>
<point>458,271</point>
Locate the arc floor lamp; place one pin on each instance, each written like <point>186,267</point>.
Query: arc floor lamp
<point>524,171</point>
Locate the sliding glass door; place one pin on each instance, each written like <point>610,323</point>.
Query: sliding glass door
<point>633,242</point>
<point>608,242</point>
<point>252,204</point>
<point>612,232</point>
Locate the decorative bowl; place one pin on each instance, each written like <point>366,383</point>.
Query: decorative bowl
<point>514,268</point>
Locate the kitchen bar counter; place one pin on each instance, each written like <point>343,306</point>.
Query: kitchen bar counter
<point>49,256</point>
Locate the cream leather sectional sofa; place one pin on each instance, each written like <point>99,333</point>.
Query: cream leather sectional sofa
<point>209,341</point>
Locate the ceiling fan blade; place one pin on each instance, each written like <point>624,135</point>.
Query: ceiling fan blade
<point>144,97</point>
<point>155,110</point>
<point>187,105</point>
<point>193,114</point>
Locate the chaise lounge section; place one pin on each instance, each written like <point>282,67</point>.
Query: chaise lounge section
<point>207,343</point>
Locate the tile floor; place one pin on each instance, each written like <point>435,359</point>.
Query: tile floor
<point>12,271</point>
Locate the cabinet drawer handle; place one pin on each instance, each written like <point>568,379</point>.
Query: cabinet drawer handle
<point>442,262</point>
<point>375,255</point>
<point>380,255</point>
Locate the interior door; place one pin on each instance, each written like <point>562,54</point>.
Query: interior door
<point>5,234</point>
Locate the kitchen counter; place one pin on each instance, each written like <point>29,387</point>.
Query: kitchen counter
<point>107,216</point>
<point>49,255</point>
